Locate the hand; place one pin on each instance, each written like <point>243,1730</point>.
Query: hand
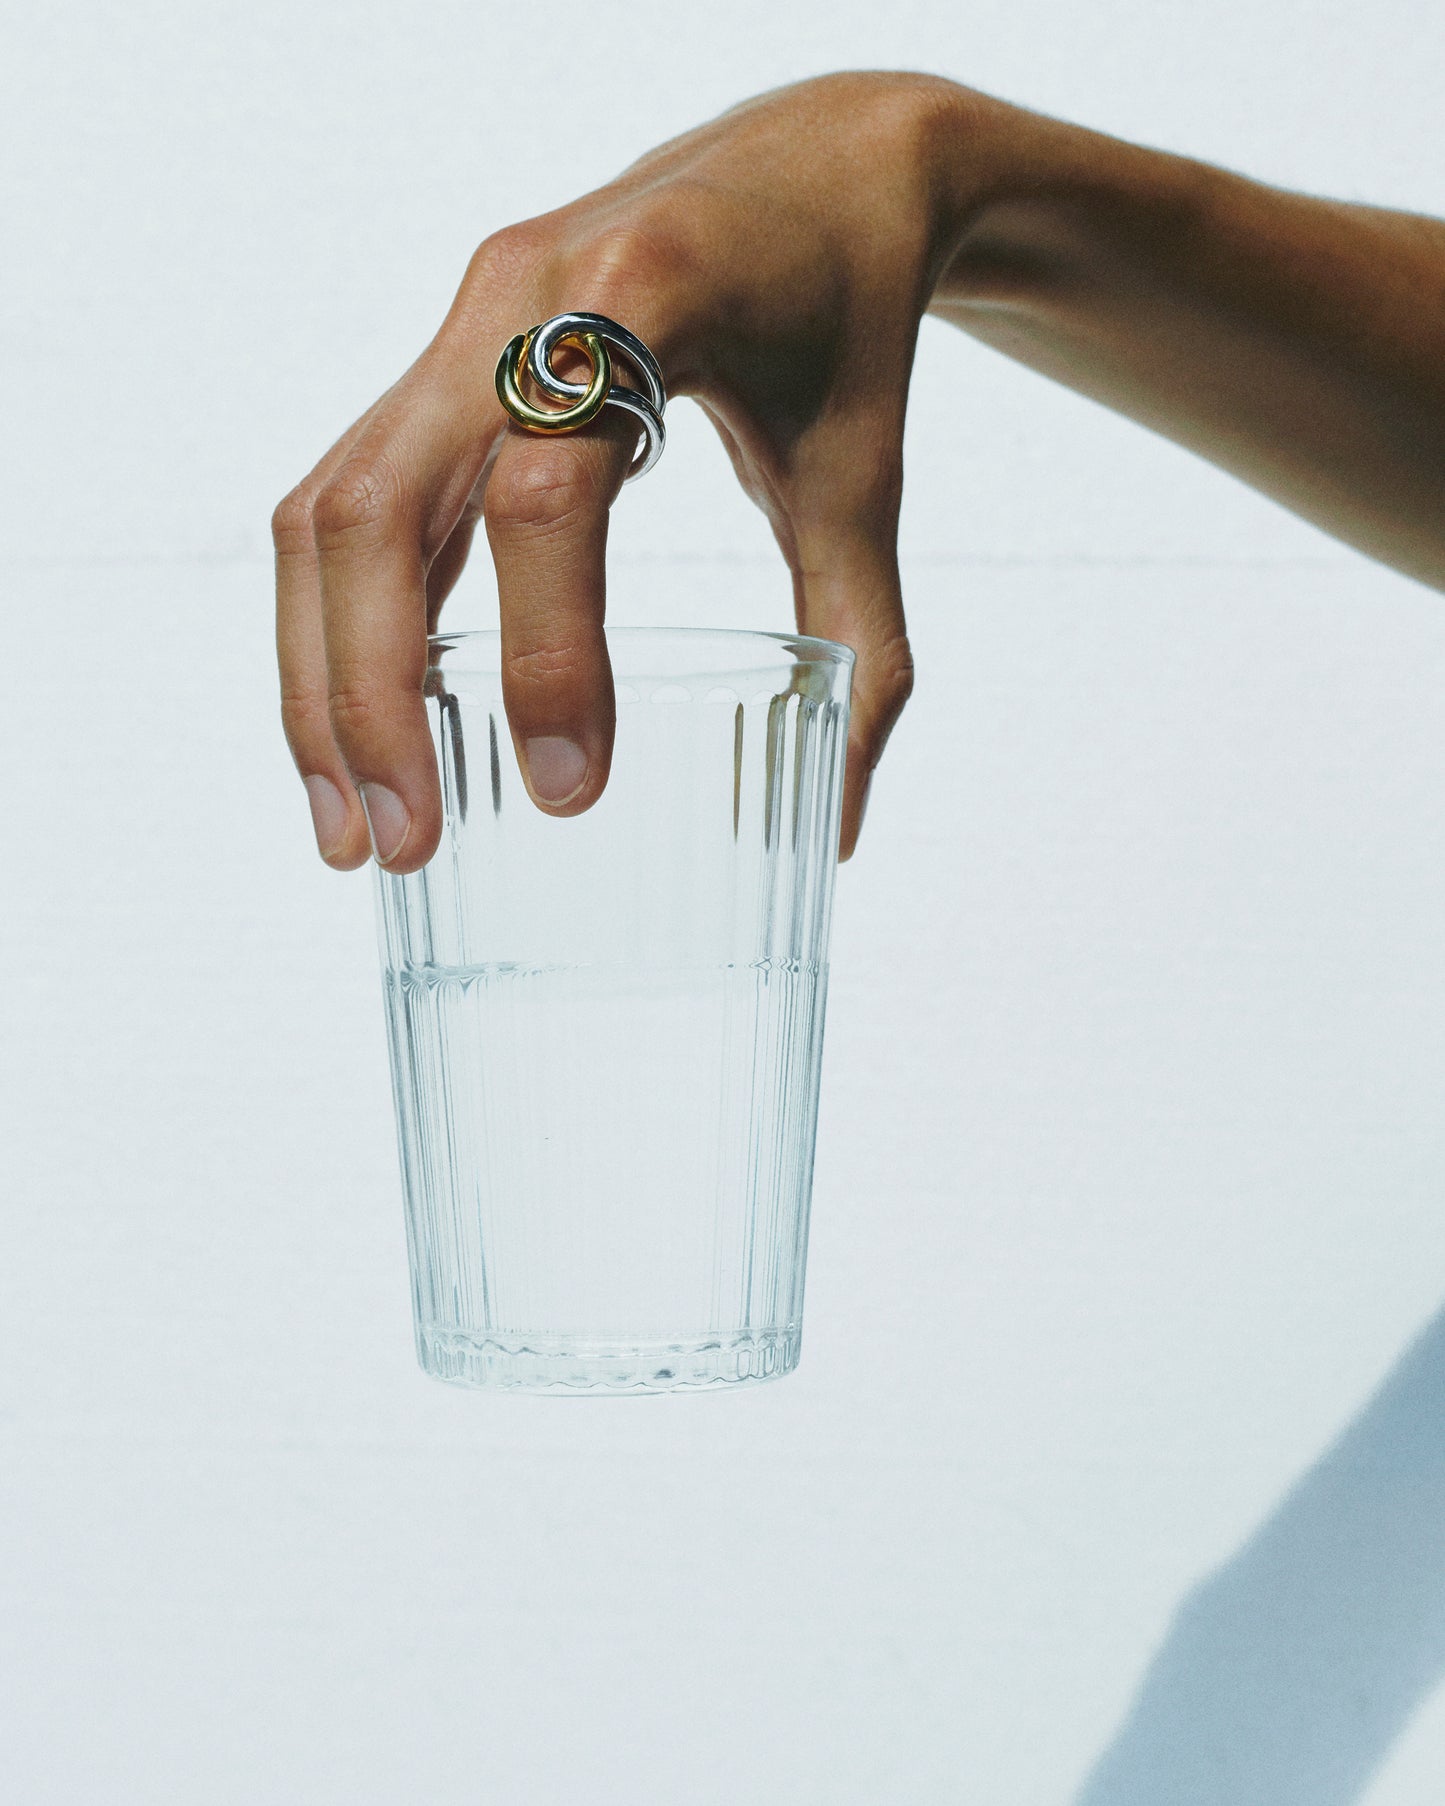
<point>777,261</point>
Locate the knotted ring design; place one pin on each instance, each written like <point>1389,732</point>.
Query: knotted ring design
<point>530,355</point>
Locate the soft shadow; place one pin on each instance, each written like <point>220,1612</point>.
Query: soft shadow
<point>1287,1675</point>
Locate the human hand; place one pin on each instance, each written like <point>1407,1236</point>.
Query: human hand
<point>777,261</point>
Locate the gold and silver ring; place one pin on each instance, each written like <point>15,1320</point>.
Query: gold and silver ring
<point>528,357</point>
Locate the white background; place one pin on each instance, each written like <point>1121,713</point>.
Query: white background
<point>1114,1474</point>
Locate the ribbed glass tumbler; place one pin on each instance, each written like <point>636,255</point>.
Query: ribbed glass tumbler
<point>606,1031</point>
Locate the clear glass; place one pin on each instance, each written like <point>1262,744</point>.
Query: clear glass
<point>606,1032</point>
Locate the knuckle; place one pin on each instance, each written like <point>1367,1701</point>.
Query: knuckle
<point>545,492</point>
<point>504,257</point>
<point>291,521</point>
<point>640,255</point>
<point>360,501</point>
<point>304,723</point>
<point>303,709</point>
<point>352,711</point>
<point>892,675</point>
<point>545,666</point>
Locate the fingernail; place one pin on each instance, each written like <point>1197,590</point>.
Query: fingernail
<point>556,768</point>
<point>387,821</point>
<point>329,815</point>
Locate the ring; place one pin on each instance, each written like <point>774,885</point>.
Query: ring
<point>529,355</point>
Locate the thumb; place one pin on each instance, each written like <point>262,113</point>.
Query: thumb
<point>846,586</point>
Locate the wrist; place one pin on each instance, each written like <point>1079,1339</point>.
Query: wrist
<point>1029,207</point>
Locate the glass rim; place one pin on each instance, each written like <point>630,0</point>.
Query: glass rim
<point>801,648</point>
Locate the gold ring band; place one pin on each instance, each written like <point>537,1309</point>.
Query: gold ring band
<point>525,379</point>
<point>512,367</point>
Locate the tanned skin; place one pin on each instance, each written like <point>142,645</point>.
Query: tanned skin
<point>778,261</point>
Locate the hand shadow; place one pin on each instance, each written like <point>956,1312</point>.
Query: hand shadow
<point>1287,1675</point>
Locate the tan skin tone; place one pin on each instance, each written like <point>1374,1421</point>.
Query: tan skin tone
<point>778,262</point>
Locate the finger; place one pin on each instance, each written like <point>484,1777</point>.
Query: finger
<point>378,522</point>
<point>847,588</point>
<point>546,508</point>
<point>336,814</point>
<point>446,568</point>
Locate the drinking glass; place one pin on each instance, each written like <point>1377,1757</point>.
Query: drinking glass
<point>606,1031</point>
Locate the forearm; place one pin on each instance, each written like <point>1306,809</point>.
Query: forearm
<point>1298,343</point>
<point>776,261</point>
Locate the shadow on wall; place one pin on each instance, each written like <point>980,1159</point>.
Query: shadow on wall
<point>1287,1675</point>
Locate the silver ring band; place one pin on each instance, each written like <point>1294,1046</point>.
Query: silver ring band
<point>544,340</point>
<point>645,405</point>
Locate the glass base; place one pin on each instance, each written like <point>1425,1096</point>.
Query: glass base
<point>569,1366</point>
